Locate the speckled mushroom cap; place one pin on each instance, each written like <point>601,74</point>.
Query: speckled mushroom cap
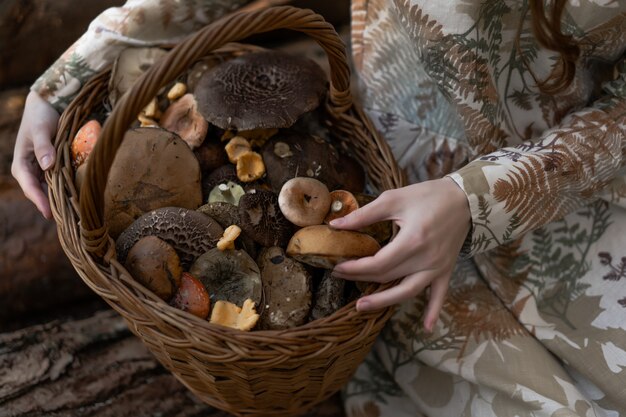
<point>260,217</point>
<point>286,290</point>
<point>230,275</point>
<point>190,233</point>
<point>267,89</point>
<point>227,214</point>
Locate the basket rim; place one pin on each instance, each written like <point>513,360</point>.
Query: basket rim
<point>117,282</point>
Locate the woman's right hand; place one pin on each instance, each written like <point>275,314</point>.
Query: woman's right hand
<point>34,152</point>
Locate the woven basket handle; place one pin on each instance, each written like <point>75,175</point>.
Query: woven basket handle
<point>232,28</point>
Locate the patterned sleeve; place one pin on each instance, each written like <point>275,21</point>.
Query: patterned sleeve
<point>518,189</point>
<point>141,23</point>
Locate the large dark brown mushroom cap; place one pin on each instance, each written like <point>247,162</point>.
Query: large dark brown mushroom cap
<point>266,89</point>
<point>230,275</point>
<point>190,233</point>
<point>153,168</point>
<point>260,217</point>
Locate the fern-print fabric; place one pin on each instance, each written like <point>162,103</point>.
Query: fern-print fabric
<point>535,319</point>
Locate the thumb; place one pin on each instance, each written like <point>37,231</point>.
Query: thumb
<point>44,151</point>
<point>374,212</point>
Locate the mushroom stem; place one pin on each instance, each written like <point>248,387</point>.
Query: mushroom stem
<point>225,190</point>
<point>337,206</point>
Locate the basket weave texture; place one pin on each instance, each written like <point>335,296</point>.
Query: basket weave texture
<point>245,373</point>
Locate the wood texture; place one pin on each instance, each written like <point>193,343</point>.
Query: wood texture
<point>94,367</point>
<point>35,274</point>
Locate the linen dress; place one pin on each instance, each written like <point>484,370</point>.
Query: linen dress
<point>535,318</point>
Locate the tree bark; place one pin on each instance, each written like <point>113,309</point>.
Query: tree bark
<point>94,367</point>
<point>35,274</point>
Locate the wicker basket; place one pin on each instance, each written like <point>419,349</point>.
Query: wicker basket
<point>245,373</point>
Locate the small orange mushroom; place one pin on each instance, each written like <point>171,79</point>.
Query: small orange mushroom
<point>227,241</point>
<point>236,147</point>
<point>250,166</point>
<point>84,141</point>
<point>192,297</point>
<point>341,203</point>
<point>230,315</point>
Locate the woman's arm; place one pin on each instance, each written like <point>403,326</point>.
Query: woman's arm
<point>518,189</point>
<point>139,23</point>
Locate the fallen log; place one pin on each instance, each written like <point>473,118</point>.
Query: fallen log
<point>35,274</point>
<point>94,367</point>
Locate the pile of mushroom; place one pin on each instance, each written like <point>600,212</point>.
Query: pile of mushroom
<point>220,197</point>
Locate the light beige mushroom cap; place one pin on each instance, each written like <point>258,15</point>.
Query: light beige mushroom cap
<point>324,247</point>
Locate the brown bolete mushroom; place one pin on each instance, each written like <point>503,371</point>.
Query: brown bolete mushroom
<point>323,247</point>
<point>228,275</point>
<point>267,89</point>
<point>153,168</point>
<point>286,290</point>
<point>189,232</point>
<point>289,155</point>
<point>342,202</point>
<point>329,296</point>
<point>261,218</point>
<point>182,118</point>
<point>156,265</point>
<point>192,297</point>
<point>304,201</point>
<point>230,315</point>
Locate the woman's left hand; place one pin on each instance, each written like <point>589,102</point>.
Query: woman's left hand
<point>434,219</point>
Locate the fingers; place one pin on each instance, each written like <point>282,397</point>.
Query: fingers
<point>374,212</point>
<point>372,268</point>
<point>438,291</point>
<point>409,287</point>
<point>31,185</point>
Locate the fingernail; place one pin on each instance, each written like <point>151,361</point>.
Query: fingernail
<point>362,305</point>
<point>337,222</point>
<point>46,161</point>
